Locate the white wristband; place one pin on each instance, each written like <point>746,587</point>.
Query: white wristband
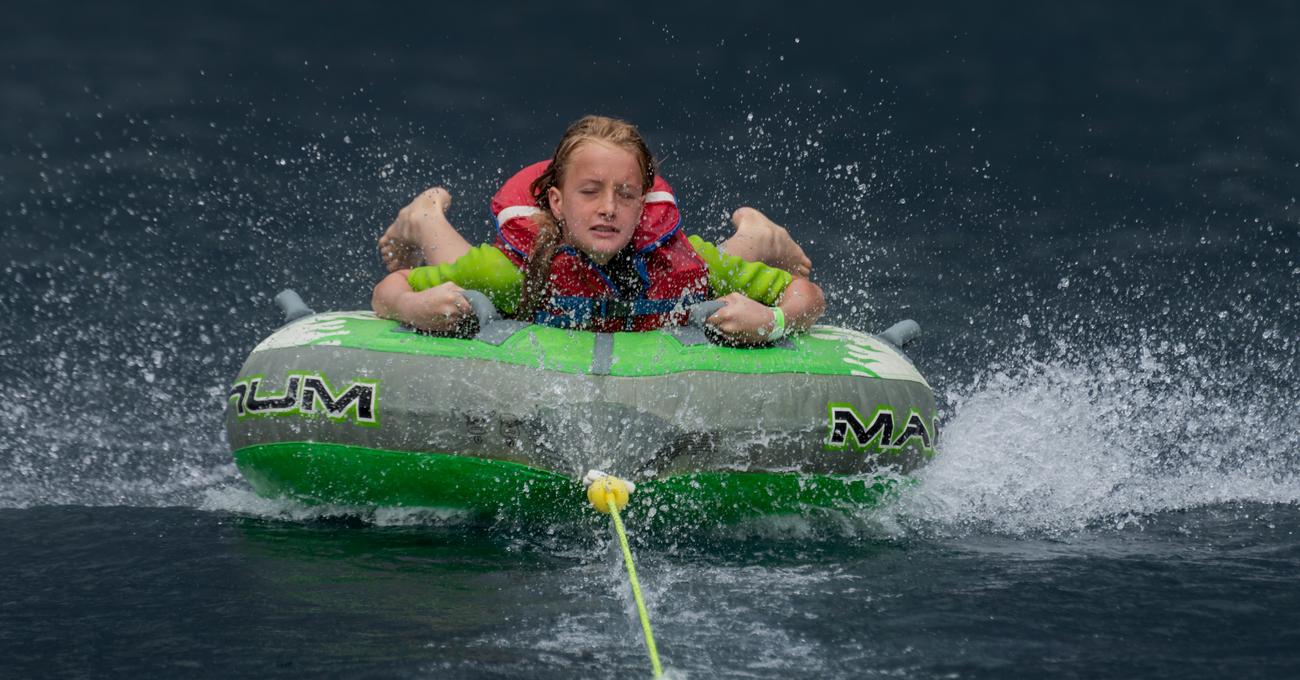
<point>778,325</point>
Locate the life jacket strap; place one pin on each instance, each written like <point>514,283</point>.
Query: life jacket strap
<point>568,311</point>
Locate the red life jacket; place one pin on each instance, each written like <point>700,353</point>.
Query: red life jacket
<point>673,277</point>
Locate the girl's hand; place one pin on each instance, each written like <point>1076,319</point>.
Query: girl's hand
<point>743,321</point>
<point>442,309</point>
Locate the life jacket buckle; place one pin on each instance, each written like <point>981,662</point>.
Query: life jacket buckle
<point>613,308</point>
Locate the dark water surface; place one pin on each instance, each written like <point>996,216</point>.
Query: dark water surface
<point>1090,210</point>
<point>183,592</point>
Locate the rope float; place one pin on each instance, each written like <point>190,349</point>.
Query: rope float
<point>608,494</point>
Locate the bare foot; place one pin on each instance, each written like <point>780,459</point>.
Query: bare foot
<point>407,241</point>
<point>760,239</point>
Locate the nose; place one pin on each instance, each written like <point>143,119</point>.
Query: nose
<point>608,205</point>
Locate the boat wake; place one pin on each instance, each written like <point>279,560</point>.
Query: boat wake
<point>1064,443</point>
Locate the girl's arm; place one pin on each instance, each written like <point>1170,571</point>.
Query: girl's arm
<point>803,304</point>
<point>745,321</point>
<point>747,288</point>
<point>441,309</point>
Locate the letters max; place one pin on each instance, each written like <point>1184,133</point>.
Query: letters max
<point>848,429</point>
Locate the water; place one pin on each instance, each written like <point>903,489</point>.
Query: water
<point>1091,211</point>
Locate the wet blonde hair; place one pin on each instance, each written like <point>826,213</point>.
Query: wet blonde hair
<point>550,231</point>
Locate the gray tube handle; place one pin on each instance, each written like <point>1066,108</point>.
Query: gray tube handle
<point>694,333</point>
<point>902,333</point>
<point>492,329</point>
<point>292,305</point>
<point>483,307</point>
<point>704,310</point>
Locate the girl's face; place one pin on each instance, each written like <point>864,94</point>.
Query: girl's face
<point>599,199</point>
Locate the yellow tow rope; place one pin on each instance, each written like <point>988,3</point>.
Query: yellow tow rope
<point>608,494</point>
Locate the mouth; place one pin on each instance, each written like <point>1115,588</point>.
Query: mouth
<point>604,229</point>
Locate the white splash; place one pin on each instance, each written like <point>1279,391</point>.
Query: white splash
<point>1063,445</point>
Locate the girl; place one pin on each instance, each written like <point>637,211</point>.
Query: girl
<point>592,240</point>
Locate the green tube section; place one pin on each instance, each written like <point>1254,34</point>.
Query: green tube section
<point>486,489</point>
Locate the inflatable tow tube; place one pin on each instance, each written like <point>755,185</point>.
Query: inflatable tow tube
<point>346,408</point>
